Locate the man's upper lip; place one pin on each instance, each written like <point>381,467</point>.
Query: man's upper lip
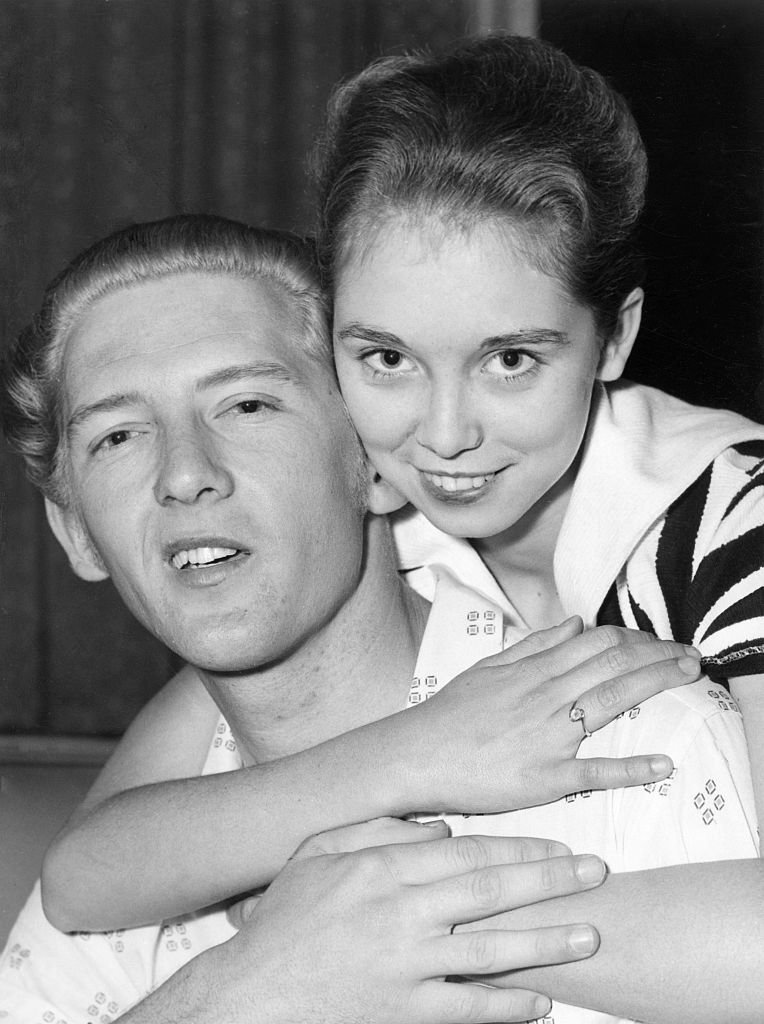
<point>198,541</point>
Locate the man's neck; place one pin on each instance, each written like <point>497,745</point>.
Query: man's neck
<point>353,670</point>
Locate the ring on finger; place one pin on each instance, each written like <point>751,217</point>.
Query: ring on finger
<point>576,714</point>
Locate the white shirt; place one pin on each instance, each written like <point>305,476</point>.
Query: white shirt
<point>704,812</point>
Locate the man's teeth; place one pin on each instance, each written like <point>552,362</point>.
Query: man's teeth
<point>459,483</point>
<point>201,556</point>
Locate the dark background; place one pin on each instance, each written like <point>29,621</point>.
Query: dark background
<point>113,111</point>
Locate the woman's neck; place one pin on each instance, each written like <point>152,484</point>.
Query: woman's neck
<point>521,559</point>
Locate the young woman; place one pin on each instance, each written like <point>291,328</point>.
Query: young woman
<point>478,235</point>
<point>478,219</point>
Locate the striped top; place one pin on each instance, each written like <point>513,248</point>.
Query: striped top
<point>698,575</point>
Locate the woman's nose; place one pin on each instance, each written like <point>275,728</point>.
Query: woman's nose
<point>448,425</point>
<point>191,469</point>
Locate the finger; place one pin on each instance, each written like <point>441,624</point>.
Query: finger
<point>240,912</point>
<point>611,650</point>
<point>492,951</point>
<point>454,1002</point>
<point>426,863</point>
<point>542,640</point>
<point>376,832</point>
<point>644,674</point>
<point>615,773</point>
<point>493,890</point>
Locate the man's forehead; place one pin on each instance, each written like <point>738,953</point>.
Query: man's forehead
<point>201,323</point>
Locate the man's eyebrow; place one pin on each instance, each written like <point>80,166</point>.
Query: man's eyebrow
<point>276,372</point>
<point>110,403</point>
<point>523,336</point>
<point>227,375</point>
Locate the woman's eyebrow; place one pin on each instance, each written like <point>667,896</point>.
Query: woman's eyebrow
<point>370,334</point>
<point>524,336</point>
<point>527,336</point>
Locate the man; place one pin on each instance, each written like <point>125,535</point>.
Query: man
<point>192,446</point>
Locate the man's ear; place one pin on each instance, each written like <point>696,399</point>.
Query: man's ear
<point>383,497</point>
<point>618,347</point>
<point>71,535</point>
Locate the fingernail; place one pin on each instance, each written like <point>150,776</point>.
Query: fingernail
<point>435,823</point>
<point>661,766</point>
<point>692,651</point>
<point>688,665</point>
<point>542,1006</point>
<point>583,939</point>
<point>590,870</point>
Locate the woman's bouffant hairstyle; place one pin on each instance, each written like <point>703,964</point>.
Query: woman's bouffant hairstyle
<point>31,376</point>
<point>501,129</point>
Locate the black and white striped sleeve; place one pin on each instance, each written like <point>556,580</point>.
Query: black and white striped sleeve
<point>698,575</point>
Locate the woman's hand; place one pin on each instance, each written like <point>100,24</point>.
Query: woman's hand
<point>500,736</point>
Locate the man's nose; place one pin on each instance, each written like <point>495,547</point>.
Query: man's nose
<point>449,424</point>
<point>191,469</point>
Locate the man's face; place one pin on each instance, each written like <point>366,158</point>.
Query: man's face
<point>213,468</point>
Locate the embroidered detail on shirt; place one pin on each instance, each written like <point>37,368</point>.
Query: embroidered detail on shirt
<point>115,938</point>
<point>709,802</point>
<point>18,954</point>
<point>723,700</point>
<point>478,622</point>
<point>99,1005</point>
<point>422,689</point>
<point>632,713</point>
<point>661,788</point>
<point>584,794</point>
<point>175,937</point>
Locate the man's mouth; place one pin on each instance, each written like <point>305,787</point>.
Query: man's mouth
<point>198,558</point>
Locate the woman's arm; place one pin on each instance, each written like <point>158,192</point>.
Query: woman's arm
<point>498,736</point>
<point>678,945</point>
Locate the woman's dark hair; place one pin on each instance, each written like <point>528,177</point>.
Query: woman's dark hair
<point>31,377</point>
<point>502,127</point>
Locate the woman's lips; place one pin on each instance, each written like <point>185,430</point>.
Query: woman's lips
<point>458,487</point>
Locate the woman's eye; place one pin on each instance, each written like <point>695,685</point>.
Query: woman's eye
<point>386,361</point>
<point>511,362</point>
<point>250,405</point>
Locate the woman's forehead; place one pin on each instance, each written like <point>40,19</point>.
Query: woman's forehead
<point>424,235</point>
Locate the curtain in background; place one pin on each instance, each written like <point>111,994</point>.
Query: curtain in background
<point>113,111</point>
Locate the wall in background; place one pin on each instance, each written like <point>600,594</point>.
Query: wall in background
<point>120,110</point>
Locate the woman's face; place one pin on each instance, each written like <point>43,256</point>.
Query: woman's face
<point>467,372</point>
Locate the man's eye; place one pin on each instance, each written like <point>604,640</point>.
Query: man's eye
<point>250,405</point>
<point>114,439</point>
